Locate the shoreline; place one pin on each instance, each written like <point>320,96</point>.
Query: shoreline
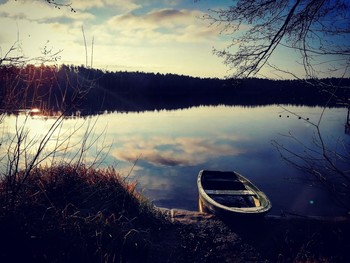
<point>183,215</point>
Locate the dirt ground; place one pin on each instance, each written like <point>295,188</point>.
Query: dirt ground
<point>199,237</point>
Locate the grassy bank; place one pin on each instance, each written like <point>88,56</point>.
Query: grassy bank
<point>75,214</point>
<point>64,214</point>
<point>69,214</point>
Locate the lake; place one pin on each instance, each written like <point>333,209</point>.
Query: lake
<point>165,150</point>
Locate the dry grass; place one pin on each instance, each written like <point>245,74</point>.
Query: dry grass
<point>68,214</point>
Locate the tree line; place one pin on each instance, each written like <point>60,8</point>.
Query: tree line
<point>57,88</point>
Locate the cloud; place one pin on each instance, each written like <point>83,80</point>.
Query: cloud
<point>162,25</point>
<point>163,18</point>
<point>120,6</point>
<point>38,11</point>
<point>155,36</point>
<point>170,17</point>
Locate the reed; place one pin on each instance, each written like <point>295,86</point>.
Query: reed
<point>76,214</point>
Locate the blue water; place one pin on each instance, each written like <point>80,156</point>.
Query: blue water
<point>165,150</point>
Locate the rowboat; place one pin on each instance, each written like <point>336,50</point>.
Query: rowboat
<point>229,194</point>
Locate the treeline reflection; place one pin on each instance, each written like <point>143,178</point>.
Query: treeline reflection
<point>89,91</point>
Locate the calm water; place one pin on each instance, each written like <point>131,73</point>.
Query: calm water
<point>165,150</point>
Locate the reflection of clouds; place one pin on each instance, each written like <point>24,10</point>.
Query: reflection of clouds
<point>169,186</point>
<point>153,181</point>
<point>180,151</point>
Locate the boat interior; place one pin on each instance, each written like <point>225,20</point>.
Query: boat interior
<point>226,189</point>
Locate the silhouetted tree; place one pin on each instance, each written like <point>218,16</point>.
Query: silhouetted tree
<point>319,29</point>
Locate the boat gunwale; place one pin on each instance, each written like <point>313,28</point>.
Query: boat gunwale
<point>257,210</point>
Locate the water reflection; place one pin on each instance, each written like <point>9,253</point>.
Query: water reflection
<point>177,151</point>
<point>171,147</point>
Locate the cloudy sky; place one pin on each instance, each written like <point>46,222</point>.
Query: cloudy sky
<point>166,36</point>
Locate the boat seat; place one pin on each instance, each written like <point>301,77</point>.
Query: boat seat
<point>230,192</point>
<point>222,179</point>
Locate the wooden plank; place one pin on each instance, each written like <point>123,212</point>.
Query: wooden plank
<point>230,192</point>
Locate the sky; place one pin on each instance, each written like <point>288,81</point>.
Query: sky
<point>165,36</point>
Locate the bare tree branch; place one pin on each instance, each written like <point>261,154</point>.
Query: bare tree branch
<point>313,27</point>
